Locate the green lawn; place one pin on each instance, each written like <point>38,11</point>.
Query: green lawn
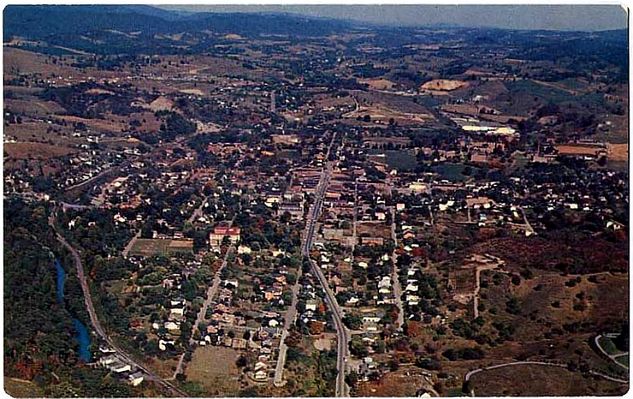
<point>608,345</point>
<point>453,171</point>
<point>624,360</point>
<point>398,159</point>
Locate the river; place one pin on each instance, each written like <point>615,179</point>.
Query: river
<point>82,335</point>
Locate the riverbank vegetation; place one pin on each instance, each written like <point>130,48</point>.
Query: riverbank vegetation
<point>39,335</point>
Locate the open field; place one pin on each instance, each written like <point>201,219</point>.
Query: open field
<point>404,382</point>
<point>377,84</point>
<point>33,107</point>
<point>151,247</point>
<point>382,113</point>
<point>18,388</point>
<point>443,85</point>
<point>164,368</point>
<point>108,124</point>
<point>534,380</point>
<point>608,345</point>
<point>624,360</point>
<point>35,150</point>
<point>215,369</point>
<point>618,152</point>
<point>401,160</point>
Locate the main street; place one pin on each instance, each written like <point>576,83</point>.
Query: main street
<point>337,315</point>
<point>342,333</point>
<point>395,275</point>
<point>94,320</point>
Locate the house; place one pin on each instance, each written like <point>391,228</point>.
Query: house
<point>295,209</point>
<point>135,378</point>
<point>231,283</point>
<point>107,360</point>
<point>162,344</point>
<point>261,375</point>
<point>172,326</point>
<point>176,313</point>
<point>352,301</point>
<point>312,305</point>
<point>372,240</point>
<point>217,235</point>
<point>119,367</point>
<point>243,249</point>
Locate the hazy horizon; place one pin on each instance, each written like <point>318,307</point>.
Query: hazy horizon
<point>529,17</point>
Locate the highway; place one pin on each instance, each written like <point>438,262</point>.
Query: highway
<point>96,324</point>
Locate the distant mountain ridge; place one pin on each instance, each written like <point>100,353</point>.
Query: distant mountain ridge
<point>42,22</point>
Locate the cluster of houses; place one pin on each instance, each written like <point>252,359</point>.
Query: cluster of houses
<point>119,366</point>
<point>229,328</point>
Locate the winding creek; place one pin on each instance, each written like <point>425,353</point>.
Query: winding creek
<point>82,335</point>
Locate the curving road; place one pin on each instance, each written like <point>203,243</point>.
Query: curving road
<point>96,324</point>
<point>612,357</point>
<point>469,375</point>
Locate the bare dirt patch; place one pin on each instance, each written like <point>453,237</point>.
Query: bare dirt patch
<point>618,152</point>
<point>377,84</point>
<point>443,85</point>
<point>161,104</point>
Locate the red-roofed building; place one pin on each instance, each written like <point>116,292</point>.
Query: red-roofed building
<point>217,235</point>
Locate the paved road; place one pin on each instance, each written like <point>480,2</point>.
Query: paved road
<point>76,207</point>
<point>527,222</point>
<point>469,375</point>
<point>130,244</point>
<point>397,287</point>
<point>211,292</point>
<point>198,211</point>
<point>313,215</point>
<point>96,324</point>
<point>111,170</point>
<point>342,333</point>
<point>289,318</point>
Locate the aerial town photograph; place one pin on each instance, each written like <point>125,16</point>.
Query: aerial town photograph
<point>315,200</point>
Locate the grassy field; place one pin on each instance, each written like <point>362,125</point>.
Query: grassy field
<point>214,368</point>
<point>151,247</point>
<point>451,171</point>
<point>624,360</point>
<point>35,150</point>
<point>21,388</point>
<point>534,89</point>
<point>608,345</point>
<point>532,380</point>
<point>400,160</point>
